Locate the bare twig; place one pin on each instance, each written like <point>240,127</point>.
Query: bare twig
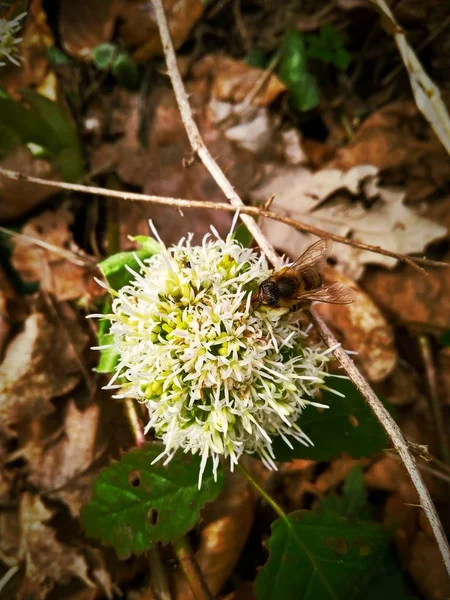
<point>435,402</point>
<point>195,139</point>
<point>377,407</point>
<point>413,261</point>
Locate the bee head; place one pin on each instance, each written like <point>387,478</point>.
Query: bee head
<point>268,293</point>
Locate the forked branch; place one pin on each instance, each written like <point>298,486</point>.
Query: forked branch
<point>348,365</point>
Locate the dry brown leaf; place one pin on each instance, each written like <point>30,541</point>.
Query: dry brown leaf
<point>54,463</point>
<point>228,521</point>
<point>39,365</point>
<point>385,222</point>
<point>402,387</point>
<point>37,38</point>
<point>139,30</point>
<point>83,25</point>
<point>234,80</point>
<point>57,275</point>
<point>19,197</point>
<point>363,329</point>
<point>415,299</point>
<point>47,560</point>
<point>397,140</point>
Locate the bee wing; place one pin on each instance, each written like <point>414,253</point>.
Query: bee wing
<point>313,257</point>
<point>336,293</point>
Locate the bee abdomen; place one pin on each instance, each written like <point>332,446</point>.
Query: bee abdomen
<point>312,279</point>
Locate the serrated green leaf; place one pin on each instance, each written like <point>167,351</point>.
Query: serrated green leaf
<point>320,556</point>
<point>126,71</point>
<point>136,504</point>
<point>103,55</point>
<point>347,426</point>
<point>114,267</point>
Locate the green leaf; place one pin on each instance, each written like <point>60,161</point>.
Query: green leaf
<point>47,125</point>
<point>103,56</point>
<point>444,339</point>
<point>293,71</point>
<point>243,236</point>
<point>353,502</point>
<point>57,57</point>
<point>293,63</point>
<point>320,556</point>
<point>109,357</point>
<point>126,71</point>
<point>114,267</point>
<point>347,426</point>
<point>9,139</point>
<point>305,93</point>
<point>328,46</point>
<point>136,504</point>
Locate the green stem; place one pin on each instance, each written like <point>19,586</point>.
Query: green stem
<point>276,507</point>
<point>191,569</point>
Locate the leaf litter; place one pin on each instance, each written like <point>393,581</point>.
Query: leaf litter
<point>363,164</point>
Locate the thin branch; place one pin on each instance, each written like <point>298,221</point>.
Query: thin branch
<point>377,407</point>
<point>195,139</point>
<point>182,203</point>
<point>394,433</point>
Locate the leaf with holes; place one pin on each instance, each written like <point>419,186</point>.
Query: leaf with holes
<point>348,425</point>
<point>136,504</point>
<point>321,556</point>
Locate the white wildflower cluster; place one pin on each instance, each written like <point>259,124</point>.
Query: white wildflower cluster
<point>219,376</point>
<point>9,40</point>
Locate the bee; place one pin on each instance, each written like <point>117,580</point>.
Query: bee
<point>302,283</point>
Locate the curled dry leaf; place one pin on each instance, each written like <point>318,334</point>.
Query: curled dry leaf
<point>234,80</point>
<point>19,197</point>
<point>400,144</point>
<point>47,560</point>
<point>83,25</point>
<point>64,276</point>
<point>39,365</point>
<point>227,524</point>
<point>37,38</point>
<point>363,329</point>
<point>417,300</point>
<point>324,199</point>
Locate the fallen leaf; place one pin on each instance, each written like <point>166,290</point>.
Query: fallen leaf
<point>402,386</point>
<point>39,365</point>
<point>318,199</point>
<point>47,560</point>
<point>418,300</point>
<point>397,141</point>
<point>53,464</point>
<point>234,80</point>
<point>363,329</point>
<point>83,25</point>
<point>66,277</point>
